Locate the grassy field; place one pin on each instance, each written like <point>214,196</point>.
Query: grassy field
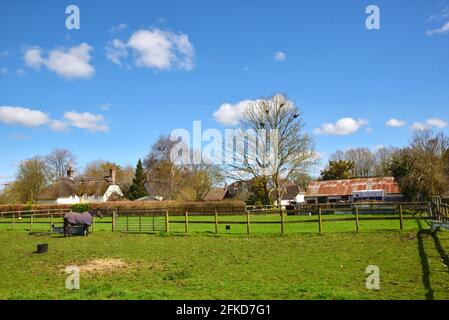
<point>305,265</point>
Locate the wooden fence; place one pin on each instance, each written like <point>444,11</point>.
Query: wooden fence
<point>161,220</point>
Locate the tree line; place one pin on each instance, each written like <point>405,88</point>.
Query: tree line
<point>156,175</point>
<point>289,156</point>
<point>421,168</point>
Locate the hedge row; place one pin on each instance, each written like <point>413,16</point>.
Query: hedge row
<point>172,206</point>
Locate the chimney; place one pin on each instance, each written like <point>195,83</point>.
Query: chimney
<point>70,173</point>
<point>112,175</point>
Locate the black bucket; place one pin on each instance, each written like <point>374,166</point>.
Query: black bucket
<point>42,248</point>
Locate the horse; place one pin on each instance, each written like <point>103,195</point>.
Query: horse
<point>79,219</point>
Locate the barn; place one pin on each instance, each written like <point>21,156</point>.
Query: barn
<point>353,190</point>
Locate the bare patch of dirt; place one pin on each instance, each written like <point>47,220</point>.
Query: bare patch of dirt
<point>103,266</point>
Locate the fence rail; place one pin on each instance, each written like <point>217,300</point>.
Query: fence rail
<point>161,220</point>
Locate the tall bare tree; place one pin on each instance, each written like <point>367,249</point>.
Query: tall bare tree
<point>366,163</point>
<point>383,157</point>
<point>202,178</point>
<point>164,176</point>
<point>58,162</point>
<point>362,158</point>
<point>279,148</point>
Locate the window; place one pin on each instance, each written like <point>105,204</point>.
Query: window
<point>96,197</point>
<point>86,196</point>
<point>73,196</point>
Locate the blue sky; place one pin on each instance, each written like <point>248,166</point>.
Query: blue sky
<point>138,69</point>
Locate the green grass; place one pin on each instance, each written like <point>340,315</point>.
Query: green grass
<point>300,265</point>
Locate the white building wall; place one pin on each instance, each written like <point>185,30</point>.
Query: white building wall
<point>111,190</point>
<point>91,199</point>
<point>68,200</point>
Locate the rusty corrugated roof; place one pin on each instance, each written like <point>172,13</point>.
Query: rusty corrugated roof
<point>347,187</point>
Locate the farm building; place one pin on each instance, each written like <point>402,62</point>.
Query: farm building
<point>217,194</point>
<point>293,194</point>
<point>353,190</point>
<point>70,190</point>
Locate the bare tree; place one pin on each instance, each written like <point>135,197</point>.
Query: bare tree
<point>58,162</point>
<point>383,157</point>
<point>202,178</point>
<point>362,158</point>
<point>98,169</point>
<point>164,176</point>
<point>273,145</point>
<point>367,163</point>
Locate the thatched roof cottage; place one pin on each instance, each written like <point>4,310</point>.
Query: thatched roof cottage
<point>70,190</point>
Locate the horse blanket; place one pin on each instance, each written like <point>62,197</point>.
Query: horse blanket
<point>79,218</point>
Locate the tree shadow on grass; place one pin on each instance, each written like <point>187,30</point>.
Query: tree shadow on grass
<point>424,263</point>
<point>422,234</point>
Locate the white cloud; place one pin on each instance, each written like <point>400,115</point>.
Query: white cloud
<point>71,63</point>
<point>395,123</point>
<point>3,71</point>
<point>36,118</point>
<point>116,51</point>
<point>58,125</point>
<point>343,126</point>
<point>420,126</point>
<point>437,123</point>
<point>442,14</point>
<point>33,58</point>
<point>155,49</point>
<point>280,56</point>
<point>119,27</point>
<point>430,123</point>
<point>86,120</point>
<point>22,116</point>
<point>442,30</point>
<point>231,114</point>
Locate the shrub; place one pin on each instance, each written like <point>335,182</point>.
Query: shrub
<point>81,207</point>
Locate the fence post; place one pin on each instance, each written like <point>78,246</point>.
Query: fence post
<point>247,222</point>
<point>13,221</point>
<point>167,222</point>
<point>187,221</point>
<point>113,221</point>
<point>356,209</point>
<point>216,221</point>
<point>93,225</point>
<point>282,222</point>
<point>51,222</point>
<point>401,217</point>
<point>320,222</point>
<point>31,222</point>
<point>127,222</point>
<point>140,223</point>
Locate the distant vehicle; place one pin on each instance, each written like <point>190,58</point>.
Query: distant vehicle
<point>150,198</point>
